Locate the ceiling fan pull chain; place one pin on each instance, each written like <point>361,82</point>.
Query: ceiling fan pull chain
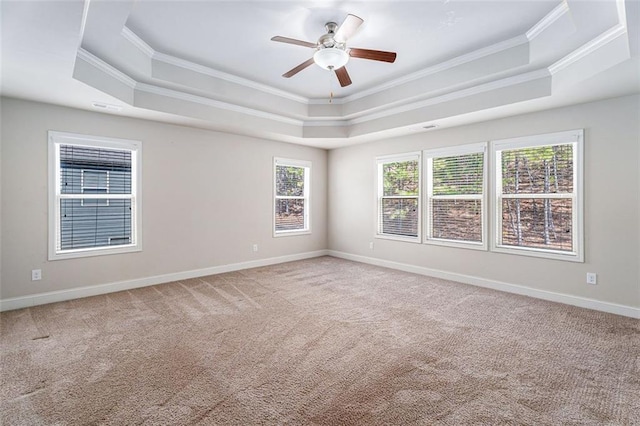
<point>331,83</point>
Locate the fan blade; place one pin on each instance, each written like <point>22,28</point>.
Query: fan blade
<point>348,28</point>
<point>297,69</point>
<point>343,76</point>
<point>374,55</point>
<point>293,41</point>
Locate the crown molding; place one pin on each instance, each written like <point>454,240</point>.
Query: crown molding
<point>202,69</point>
<point>150,52</point>
<point>137,42</point>
<point>588,48</point>
<point>324,101</point>
<point>443,66</point>
<point>156,90</point>
<point>83,23</point>
<point>332,123</point>
<point>622,12</point>
<point>547,21</point>
<point>105,67</point>
<point>475,90</point>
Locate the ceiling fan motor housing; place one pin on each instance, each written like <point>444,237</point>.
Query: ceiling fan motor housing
<point>327,39</point>
<point>331,27</point>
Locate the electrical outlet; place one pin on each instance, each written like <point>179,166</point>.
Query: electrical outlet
<point>255,247</point>
<point>36,274</point>
<point>592,278</point>
<point>371,245</point>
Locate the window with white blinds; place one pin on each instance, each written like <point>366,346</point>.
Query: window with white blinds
<point>538,183</point>
<point>94,199</point>
<point>455,187</point>
<point>399,197</point>
<point>291,196</point>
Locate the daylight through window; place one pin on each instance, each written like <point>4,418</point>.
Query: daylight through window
<point>399,196</point>
<point>534,194</point>
<point>538,194</point>
<point>291,189</point>
<point>455,195</point>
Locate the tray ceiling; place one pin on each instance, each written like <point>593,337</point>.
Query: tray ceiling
<point>234,37</point>
<point>212,64</point>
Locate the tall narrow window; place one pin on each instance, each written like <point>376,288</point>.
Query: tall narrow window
<point>291,197</point>
<point>456,196</point>
<point>94,199</point>
<point>399,197</point>
<point>539,195</point>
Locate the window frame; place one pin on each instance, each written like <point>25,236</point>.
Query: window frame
<point>55,140</point>
<point>453,151</point>
<point>306,165</point>
<point>395,158</point>
<point>575,137</point>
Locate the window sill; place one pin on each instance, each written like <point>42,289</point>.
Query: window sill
<point>98,251</point>
<point>542,253</point>
<point>398,238</point>
<point>278,234</point>
<point>456,244</point>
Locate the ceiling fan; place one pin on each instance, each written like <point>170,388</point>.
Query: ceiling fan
<point>332,52</point>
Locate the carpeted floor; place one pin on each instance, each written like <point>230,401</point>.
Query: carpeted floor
<point>318,342</point>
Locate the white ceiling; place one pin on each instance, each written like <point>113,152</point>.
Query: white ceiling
<point>234,37</point>
<point>211,63</point>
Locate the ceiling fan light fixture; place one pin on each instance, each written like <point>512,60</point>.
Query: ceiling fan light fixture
<point>331,58</point>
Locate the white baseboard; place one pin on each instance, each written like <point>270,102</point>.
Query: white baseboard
<point>613,308</point>
<point>76,293</point>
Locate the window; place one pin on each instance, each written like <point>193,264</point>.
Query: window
<point>399,197</point>
<point>94,202</point>
<point>455,196</point>
<point>538,195</point>
<point>291,193</point>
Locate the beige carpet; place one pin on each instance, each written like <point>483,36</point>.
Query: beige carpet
<point>322,341</point>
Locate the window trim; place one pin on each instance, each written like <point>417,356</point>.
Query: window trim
<point>575,137</point>
<point>55,139</point>
<point>429,155</point>
<point>393,158</point>
<point>279,161</point>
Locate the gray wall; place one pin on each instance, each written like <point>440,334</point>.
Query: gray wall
<point>189,174</point>
<point>612,201</point>
<point>188,177</point>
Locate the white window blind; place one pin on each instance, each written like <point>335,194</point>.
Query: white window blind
<point>456,195</point>
<point>538,194</point>
<point>399,196</point>
<point>94,182</point>
<point>291,189</point>
<point>94,195</point>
